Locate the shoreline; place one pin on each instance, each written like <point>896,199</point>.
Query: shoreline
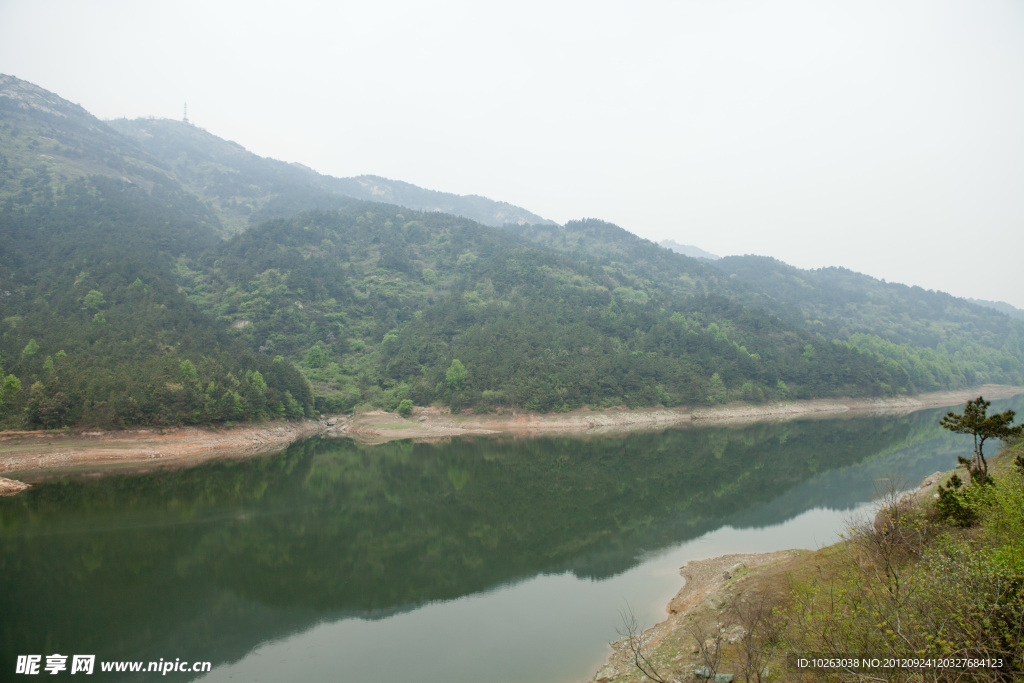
<point>711,584</point>
<point>35,456</point>
<point>708,583</point>
<point>428,423</point>
<point>38,456</point>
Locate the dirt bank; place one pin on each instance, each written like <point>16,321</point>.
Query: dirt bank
<point>34,456</point>
<point>710,584</point>
<point>435,423</point>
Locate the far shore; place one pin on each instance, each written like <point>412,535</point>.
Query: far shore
<point>31,456</point>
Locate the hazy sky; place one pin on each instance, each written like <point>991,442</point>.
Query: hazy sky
<point>884,136</point>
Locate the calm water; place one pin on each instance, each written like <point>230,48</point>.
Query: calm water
<point>475,559</point>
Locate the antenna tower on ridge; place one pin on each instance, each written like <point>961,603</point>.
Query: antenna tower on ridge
<point>184,119</point>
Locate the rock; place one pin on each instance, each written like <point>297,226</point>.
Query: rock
<point>714,601</point>
<point>704,673</point>
<point>733,570</point>
<point>331,421</point>
<point>9,487</point>
<point>736,634</point>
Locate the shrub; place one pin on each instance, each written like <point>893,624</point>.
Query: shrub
<point>405,408</point>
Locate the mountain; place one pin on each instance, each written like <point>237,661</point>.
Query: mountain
<point>244,188</point>
<point>688,250</point>
<point>480,209</point>
<point>152,273</point>
<point>93,326</point>
<point>1000,306</point>
<point>48,142</point>
<point>940,340</point>
<point>377,303</point>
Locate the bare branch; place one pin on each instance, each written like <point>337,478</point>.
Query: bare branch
<point>633,632</point>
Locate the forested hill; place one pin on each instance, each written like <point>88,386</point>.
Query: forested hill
<point>940,340</point>
<point>245,189</point>
<point>379,305</point>
<point>93,327</point>
<point>122,303</point>
<point>1000,306</point>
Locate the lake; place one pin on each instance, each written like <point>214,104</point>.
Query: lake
<point>472,559</point>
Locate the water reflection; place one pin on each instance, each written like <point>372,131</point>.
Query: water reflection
<point>208,563</point>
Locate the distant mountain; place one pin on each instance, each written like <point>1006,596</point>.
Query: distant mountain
<point>688,250</point>
<point>940,340</point>
<point>1000,306</point>
<point>245,188</point>
<point>47,141</point>
<point>480,209</point>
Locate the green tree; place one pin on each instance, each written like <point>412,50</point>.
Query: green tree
<point>10,387</point>
<point>30,350</point>
<point>456,374</point>
<point>188,371</point>
<point>405,408</point>
<point>974,421</point>
<point>258,382</point>
<point>717,393</point>
<point>316,357</point>
<point>782,390</point>
<point>93,301</point>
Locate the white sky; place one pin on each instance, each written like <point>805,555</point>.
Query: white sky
<point>884,136</point>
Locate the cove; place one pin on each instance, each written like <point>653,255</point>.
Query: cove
<point>471,559</point>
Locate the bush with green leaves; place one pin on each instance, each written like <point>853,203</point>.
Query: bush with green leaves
<point>405,408</point>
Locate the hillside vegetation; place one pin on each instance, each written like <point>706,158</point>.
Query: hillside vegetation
<point>152,273</point>
<point>939,340</point>
<point>377,305</point>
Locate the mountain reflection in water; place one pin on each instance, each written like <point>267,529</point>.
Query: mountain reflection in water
<point>208,563</point>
